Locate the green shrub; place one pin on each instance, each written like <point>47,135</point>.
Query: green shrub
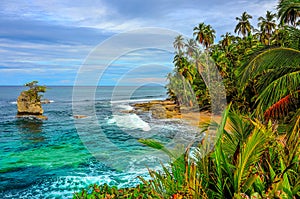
<point>109,192</point>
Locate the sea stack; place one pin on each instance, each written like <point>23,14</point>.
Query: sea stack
<point>29,102</point>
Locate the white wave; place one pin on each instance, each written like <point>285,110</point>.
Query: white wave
<point>136,100</point>
<point>47,101</point>
<point>125,107</point>
<point>129,121</point>
<point>15,102</point>
<point>64,187</point>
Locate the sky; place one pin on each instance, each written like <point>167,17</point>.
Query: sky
<point>105,42</point>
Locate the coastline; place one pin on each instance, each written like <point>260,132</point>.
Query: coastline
<point>196,118</point>
<point>162,109</point>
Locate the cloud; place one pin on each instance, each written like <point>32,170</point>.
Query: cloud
<point>55,35</point>
<point>32,55</point>
<point>116,16</point>
<point>146,63</point>
<point>34,31</point>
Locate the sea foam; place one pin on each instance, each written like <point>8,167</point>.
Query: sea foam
<point>125,107</point>
<point>15,102</point>
<point>129,121</point>
<point>135,100</point>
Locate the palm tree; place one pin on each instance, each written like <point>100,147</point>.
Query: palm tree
<point>281,36</point>
<point>243,27</point>
<point>179,43</point>
<point>191,46</point>
<point>199,32</point>
<point>205,34</point>
<point>227,39</point>
<point>267,25</point>
<point>247,161</point>
<point>276,73</point>
<point>289,11</point>
<point>184,67</point>
<point>209,36</point>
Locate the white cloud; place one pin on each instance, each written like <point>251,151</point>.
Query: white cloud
<point>32,55</point>
<point>58,35</point>
<point>115,17</point>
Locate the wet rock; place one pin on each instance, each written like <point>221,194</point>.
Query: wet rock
<point>29,105</point>
<point>45,101</point>
<point>29,102</point>
<point>39,117</point>
<point>79,116</point>
<point>127,111</point>
<point>159,109</point>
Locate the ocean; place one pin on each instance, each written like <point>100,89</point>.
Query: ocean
<point>59,156</point>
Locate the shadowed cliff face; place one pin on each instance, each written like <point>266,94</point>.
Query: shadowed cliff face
<point>29,105</point>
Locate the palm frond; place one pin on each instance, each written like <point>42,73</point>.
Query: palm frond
<point>268,59</point>
<point>251,152</point>
<point>293,141</point>
<point>281,87</point>
<point>156,145</point>
<point>280,108</point>
<point>295,37</point>
<point>272,74</point>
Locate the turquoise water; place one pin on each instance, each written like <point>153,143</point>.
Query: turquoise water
<point>56,157</point>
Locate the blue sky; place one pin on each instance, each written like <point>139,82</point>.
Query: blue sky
<point>51,41</point>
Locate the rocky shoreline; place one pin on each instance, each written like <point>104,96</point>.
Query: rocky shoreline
<point>159,109</point>
<point>162,109</point>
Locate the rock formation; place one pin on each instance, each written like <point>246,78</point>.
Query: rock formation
<point>29,104</point>
<point>79,116</point>
<point>159,108</point>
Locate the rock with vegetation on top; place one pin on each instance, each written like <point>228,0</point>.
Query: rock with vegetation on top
<point>29,102</point>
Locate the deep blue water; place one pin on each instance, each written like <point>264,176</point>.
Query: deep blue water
<point>56,157</point>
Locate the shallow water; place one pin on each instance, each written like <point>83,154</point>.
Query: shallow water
<point>56,157</point>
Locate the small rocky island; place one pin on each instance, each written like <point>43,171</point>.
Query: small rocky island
<point>29,102</point>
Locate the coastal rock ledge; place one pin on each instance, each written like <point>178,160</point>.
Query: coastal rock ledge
<point>30,106</point>
<point>159,109</point>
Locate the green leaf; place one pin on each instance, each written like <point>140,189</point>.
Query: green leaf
<point>251,152</point>
<point>249,182</point>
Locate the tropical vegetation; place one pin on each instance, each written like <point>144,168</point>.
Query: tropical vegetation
<point>254,152</point>
<point>35,89</point>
